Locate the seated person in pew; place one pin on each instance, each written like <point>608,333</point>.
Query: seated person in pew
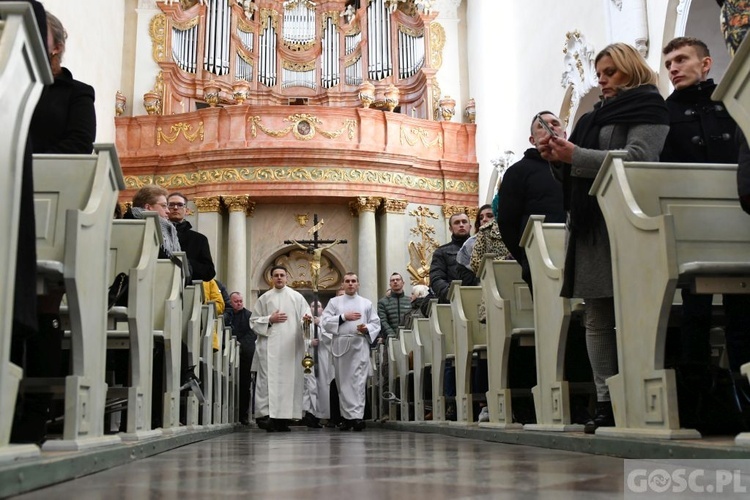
<point>194,244</point>
<point>419,305</point>
<point>238,317</point>
<point>632,116</point>
<point>64,121</point>
<point>528,188</point>
<point>468,276</point>
<point>154,198</point>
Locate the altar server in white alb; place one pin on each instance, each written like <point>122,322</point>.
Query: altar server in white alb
<point>277,319</point>
<point>354,324</point>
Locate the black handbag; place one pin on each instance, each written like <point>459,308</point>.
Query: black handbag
<point>118,292</point>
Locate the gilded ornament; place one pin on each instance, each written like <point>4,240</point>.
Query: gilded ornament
<point>302,219</point>
<point>366,203</point>
<point>293,66</point>
<point>120,102</point>
<point>262,175</point>
<point>176,129</point>
<point>304,126</point>
<point>157,30</point>
<point>297,263</point>
<point>152,103</point>
<point>411,136</point>
<point>244,26</point>
<point>207,204</point>
<point>420,252</point>
<point>186,25</point>
<point>269,18</point>
<point>250,208</point>
<point>236,203</point>
<point>437,43</point>
<point>391,206</point>
<point>410,31</point>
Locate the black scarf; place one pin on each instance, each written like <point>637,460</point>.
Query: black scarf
<point>641,105</point>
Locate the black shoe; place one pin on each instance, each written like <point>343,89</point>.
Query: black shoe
<point>330,424</point>
<point>264,423</point>
<point>311,421</point>
<point>280,425</point>
<point>604,418</point>
<point>359,425</point>
<point>244,421</point>
<point>345,425</point>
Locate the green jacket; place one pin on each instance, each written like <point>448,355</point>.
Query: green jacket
<point>391,311</point>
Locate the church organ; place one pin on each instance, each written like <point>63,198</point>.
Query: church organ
<point>317,52</point>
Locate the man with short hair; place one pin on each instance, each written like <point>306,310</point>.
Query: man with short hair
<point>354,324</point>
<point>392,308</point>
<point>528,188</point>
<point>443,266</point>
<point>701,131</point>
<point>277,319</point>
<point>193,243</point>
<point>238,317</point>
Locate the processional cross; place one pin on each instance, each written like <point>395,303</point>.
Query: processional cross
<point>313,246</point>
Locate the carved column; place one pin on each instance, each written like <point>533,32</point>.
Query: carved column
<point>393,243</point>
<point>367,249</point>
<point>237,243</point>
<point>208,222</point>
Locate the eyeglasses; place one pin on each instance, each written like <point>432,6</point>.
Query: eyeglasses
<point>176,205</point>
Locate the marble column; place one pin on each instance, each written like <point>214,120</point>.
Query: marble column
<point>237,243</point>
<point>208,223</point>
<point>393,242</point>
<point>367,248</point>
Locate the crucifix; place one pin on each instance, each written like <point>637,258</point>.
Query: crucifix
<point>315,246</point>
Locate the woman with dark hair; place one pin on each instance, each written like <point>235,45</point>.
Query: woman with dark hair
<point>633,117</point>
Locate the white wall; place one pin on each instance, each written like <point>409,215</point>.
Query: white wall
<point>94,51</point>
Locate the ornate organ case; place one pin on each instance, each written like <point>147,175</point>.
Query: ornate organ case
<point>271,52</point>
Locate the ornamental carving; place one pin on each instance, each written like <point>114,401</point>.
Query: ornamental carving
<point>304,126</point>
<point>420,252</point>
<point>207,204</point>
<point>180,128</point>
<point>297,264</point>
<point>391,206</point>
<point>303,174</point>
<point>412,136</point>
<point>451,210</point>
<point>157,30</point>
<point>364,204</point>
<point>437,43</point>
<point>236,203</point>
<point>580,71</point>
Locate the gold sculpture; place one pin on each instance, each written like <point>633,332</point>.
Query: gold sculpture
<point>315,260</point>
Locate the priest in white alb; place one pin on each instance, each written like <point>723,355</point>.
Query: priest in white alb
<point>354,324</point>
<point>277,318</point>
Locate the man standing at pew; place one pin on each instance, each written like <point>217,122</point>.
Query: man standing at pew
<point>193,243</point>
<point>702,131</point>
<point>354,324</point>
<point>392,308</point>
<point>238,317</point>
<point>277,319</point>
<point>443,266</point>
<point>528,188</point>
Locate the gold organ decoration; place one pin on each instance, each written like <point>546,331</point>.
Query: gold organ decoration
<point>180,128</point>
<point>412,136</point>
<point>304,126</point>
<point>157,30</point>
<point>420,252</point>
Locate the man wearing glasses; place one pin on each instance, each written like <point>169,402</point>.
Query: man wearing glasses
<point>193,243</point>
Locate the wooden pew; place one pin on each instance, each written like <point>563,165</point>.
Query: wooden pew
<point>134,251</point>
<point>23,71</point>
<point>407,345</point>
<point>208,320</point>
<point>226,352</point>
<point>443,348</point>
<point>669,225</point>
<point>509,313</point>
<point>218,376</point>
<point>192,298</point>
<point>74,197</point>
<point>168,293</point>
<point>394,376</point>
<point>734,88</point>
<point>471,337</point>
<point>422,362</point>
<point>545,249</point>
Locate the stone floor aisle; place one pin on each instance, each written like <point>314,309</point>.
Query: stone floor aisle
<point>328,464</point>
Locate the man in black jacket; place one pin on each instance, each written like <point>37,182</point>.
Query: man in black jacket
<point>238,318</point>
<point>701,131</point>
<point>528,188</point>
<point>193,243</point>
<point>443,266</point>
